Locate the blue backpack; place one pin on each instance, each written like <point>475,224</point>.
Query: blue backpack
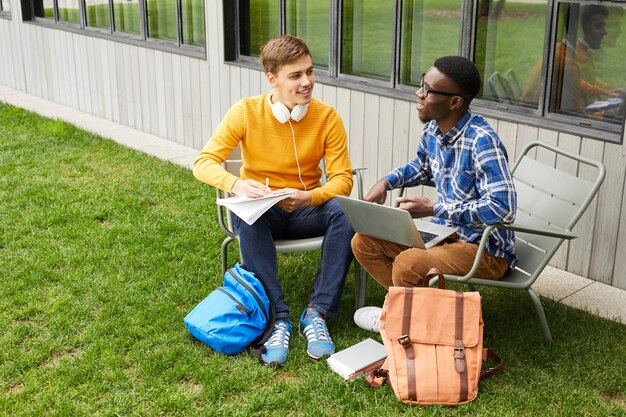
<point>235,316</point>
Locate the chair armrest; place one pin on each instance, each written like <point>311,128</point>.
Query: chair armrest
<point>544,231</point>
<point>563,234</point>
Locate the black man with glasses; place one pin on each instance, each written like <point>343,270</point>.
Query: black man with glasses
<point>468,163</point>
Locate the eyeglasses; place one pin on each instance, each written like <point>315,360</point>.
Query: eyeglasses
<point>428,90</point>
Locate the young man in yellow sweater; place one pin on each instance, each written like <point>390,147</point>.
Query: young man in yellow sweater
<point>283,135</point>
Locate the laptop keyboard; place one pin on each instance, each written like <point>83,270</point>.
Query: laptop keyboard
<point>427,236</point>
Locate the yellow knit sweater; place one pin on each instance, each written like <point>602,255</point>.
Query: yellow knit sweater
<point>267,149</point>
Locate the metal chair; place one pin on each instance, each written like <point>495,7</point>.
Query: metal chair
<point>288,245</point>
<point>550,203</point>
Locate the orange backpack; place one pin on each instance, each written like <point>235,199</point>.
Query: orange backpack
<point>434,343</point>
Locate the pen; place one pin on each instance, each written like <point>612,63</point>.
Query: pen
<point>267,182</point>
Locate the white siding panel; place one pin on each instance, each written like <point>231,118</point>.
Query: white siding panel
<point>144,88</point>
<point>508,135</point>
<point>329,95</point>
<point>132,60</point>
<point>161,99</point>
<point>168,87</point>
<point>255,83</point>
<point>609,205</point>
<point>151,84</point>
<point>195,141</point>
<point>113,82</point>
<point>370,141</point>
<point>339,98</point>
<point>569,143</point>
<point>401,123</point>
<point>122,84</point>
<point>385,136</point>
<point>177,84</point>
<point>551,137</point>
<point>525,135</point>
<point>185,93</point>
<point>579,256</point>
<point>235,85</point>
<point>82,74</point>
<point>106,80</point>
<point>355,143</point>
<point>205,86</point>
<point>619,272</point>
<point>245,82</point>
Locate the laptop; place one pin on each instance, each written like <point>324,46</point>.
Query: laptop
<point>392,224</point>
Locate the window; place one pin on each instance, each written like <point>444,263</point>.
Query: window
<point>168,23</point>
<point>367,38</point>
<point>537,58</point>
<point>588,75</point>
<point>430,29</point>
<point>5,8</point>
<point>310,20</point>
<point>509,50</point>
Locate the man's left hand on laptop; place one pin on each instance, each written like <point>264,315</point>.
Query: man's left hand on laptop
<point>417,206</point>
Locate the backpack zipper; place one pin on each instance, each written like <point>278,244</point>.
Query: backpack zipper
<point>250,290</point>
<point>240,307</point>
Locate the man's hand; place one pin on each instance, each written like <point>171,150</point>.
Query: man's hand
<point>417,206</point>
<point>378,193</point>
<point>250,188</point>
<point>300,199</point>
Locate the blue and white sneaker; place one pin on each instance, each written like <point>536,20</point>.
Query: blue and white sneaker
<point>277,346</point>
<point>313,326</point>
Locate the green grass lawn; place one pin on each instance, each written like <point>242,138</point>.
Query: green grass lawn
<point>104,250</point>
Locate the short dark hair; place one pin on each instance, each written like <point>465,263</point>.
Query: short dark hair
<point>462,72</point>
<point>282,50</point>
<point>590,11</point>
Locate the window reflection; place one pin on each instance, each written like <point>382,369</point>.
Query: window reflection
<point>68,11</point>
<point>193,22</point>
<point>126,16</point>
<point>162,20</point>
<point>258,23</point>
<point>509,48</point>
<point>423,23</point>
<point>97,12</point>
<point>367,38</point>
<point>589,79</point>
<point>309,20</point>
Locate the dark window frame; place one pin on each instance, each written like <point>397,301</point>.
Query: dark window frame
<point>142,39</point>
<point>544,116</point>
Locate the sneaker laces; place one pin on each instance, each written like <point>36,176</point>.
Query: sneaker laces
<point>280,335</point>
<point>317,330</point>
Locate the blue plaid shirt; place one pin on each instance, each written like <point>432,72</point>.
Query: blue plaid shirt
<point>469,167</point>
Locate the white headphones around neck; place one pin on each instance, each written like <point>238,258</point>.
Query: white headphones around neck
<point>282,113</point>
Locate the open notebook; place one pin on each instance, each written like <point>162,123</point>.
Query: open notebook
<point>250,209</point>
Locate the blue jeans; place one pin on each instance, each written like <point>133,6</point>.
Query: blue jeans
<point>259,253</point>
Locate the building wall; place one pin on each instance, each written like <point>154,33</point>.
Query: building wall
<point>183,99</point>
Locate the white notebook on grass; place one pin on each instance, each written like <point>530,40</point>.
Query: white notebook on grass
<point>358,359</point>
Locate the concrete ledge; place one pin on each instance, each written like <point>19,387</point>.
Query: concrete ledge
<point>567,288</point>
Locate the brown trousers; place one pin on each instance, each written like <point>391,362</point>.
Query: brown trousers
<point>397,265</point>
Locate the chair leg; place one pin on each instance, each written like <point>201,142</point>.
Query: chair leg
<point>225,244</point>
<point>541,314</point>
<point>360,285</point>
